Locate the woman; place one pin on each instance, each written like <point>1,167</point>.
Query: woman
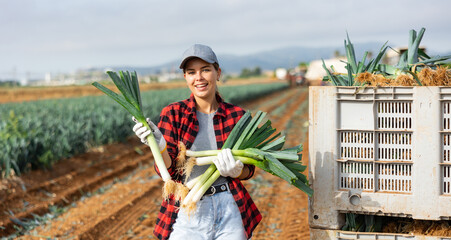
<point>203,122</point>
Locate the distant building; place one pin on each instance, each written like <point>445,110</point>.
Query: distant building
<point>170,76</point>
<point>392,55</point>
<point>48,78</point>
<point>281,73</point>
<point>316,72</point>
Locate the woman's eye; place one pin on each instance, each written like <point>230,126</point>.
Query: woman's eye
<point>206,70</point>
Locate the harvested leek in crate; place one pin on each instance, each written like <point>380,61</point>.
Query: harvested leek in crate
<point>415,68</point>
<point>386,142</point>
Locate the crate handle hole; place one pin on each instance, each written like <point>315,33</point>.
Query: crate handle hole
<point>354,199</point>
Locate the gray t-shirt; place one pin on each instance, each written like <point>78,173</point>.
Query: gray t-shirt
<point>205,140</point>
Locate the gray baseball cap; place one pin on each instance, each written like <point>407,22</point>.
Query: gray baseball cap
<point>200,51</point>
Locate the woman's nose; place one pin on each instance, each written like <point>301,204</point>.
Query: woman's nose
<point>198,75</point>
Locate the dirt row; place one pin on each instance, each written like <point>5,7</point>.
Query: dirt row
<point>112,192</point>
<point>284,208</point>
<point>68,181</point>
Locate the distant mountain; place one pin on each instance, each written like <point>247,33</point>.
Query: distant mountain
<point>287,57</point>
<point>290,57</point>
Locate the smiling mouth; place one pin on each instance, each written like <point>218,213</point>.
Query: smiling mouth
<point>203,85</point>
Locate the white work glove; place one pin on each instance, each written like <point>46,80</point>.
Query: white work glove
<point>142,132</point>
<point>226,164</point>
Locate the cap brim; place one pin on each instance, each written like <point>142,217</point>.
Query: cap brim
<point>182,65</point>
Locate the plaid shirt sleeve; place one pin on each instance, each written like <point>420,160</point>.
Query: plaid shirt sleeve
<point>167,127</point>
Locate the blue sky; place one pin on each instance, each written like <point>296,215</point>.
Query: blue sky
<point>39,36</point>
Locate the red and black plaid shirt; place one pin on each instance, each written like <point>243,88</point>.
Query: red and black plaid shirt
<point>178,122</point>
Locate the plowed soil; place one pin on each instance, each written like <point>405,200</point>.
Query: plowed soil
<point>113,192</point>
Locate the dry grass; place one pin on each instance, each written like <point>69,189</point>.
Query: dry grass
<point>438,77</point>
<point>420,227</point>
<point>441,76</point>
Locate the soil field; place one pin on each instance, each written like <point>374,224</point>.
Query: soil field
<point>113,192</point>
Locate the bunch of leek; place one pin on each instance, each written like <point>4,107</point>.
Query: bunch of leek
<point>127,84</point>
<point>353,67</point>
<point>412,59</point>
<point>254,145</point>
<point>409,63</point>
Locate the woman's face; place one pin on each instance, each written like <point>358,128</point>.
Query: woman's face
<point>201,78</point>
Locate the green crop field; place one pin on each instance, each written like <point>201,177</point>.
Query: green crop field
<point>37,134</point>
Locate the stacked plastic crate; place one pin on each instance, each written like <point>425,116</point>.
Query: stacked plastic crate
<point>378,151</point>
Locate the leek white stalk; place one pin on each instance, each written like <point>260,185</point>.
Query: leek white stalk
<point>157,156</point>
<point>250,153</point>
<point>190,184</point>
<point>170,186</point>
<point>200,161</point>
<point>204,177</point>
<point>198,195</point>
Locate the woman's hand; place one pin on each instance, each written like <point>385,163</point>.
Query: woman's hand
<point>142,133</point>
<point>227,165</point>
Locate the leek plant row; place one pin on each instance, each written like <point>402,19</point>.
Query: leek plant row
<point>36,134</point>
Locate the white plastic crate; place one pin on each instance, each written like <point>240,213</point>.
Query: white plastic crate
<point>324,234</point>
<point>380,151</point>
